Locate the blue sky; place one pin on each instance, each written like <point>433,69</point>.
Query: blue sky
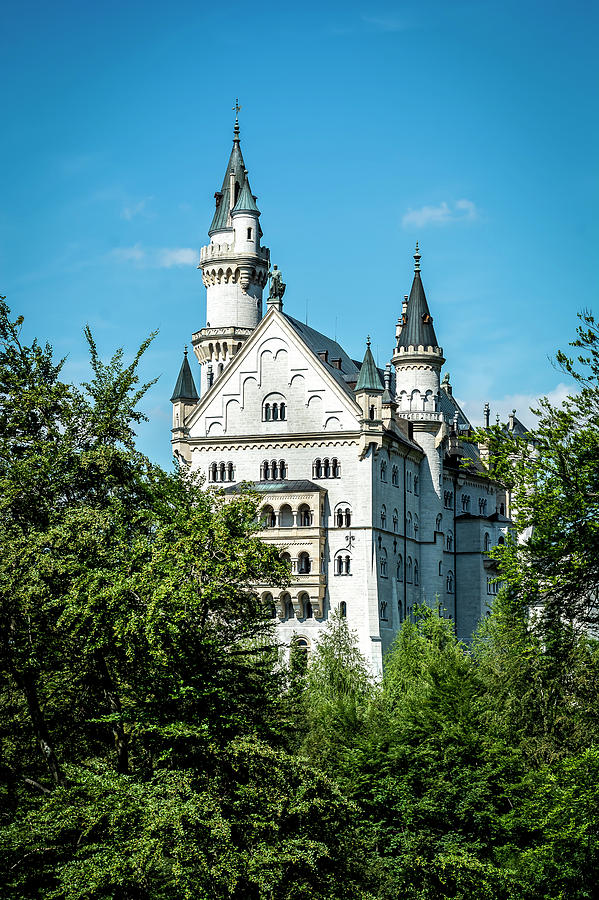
<point>470,126</point>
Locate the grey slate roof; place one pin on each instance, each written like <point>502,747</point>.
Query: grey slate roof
<point>369,378</point>
<point>448,405</point>
<point>245,201</point>
<point>418,328</point>
<point>236,163</point>
<point>276,487</point>
<point>318,342</point>
<point>185,388</point>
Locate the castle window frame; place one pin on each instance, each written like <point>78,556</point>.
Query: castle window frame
<point>304,563</point>
<point>383,516</point>
<point>449,582</point>
<point>416,485</point>
<point>399,569</point>
<point>487,542</point>
<point>383,563</point>
<point>383,471</point>
<point>416,572</point>
<point>395,476</point>
<point>343,609</point>
<point>249,237</point>
<point>383,611</point>
<point>395,521</point>
<point>409,567</point>
<point>449,540</point>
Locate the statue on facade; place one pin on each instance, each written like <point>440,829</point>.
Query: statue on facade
<point>277,286</point>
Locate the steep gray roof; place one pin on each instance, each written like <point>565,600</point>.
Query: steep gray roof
<point>369,378</point>
<point>418,328</point>
<point>320,343</point>
<point>223,204</point>
<point>185,388</point>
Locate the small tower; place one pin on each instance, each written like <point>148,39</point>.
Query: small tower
<point>234,270</point>
<point>184,399</point>
<point>418,359</point>
<point>369,392</point>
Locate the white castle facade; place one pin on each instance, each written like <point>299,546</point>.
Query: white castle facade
<point>361,471</point>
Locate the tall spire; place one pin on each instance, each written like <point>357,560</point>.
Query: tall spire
<point>417,330</point>
<point>235,180</point>
<point>185,388</point>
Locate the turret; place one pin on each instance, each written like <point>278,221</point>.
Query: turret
<point>369,392</point>
<point>234,269</point>
<point>184,398</point>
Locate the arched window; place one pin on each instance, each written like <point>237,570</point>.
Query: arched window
<point>267,412</point>
<point>335,468</point>
<point>304,564</point>
<point>416,484</point>
<point>395,521</point>
<point>305,605</point>
<point>438,522</point>
<point>347,565</point>
<point>304,516</point>
<point>409,570</point>
<point>269,519</point>
<point>409,524</point>
<point>501,540</point>
<point>275,412</point>
<point>395,476</point>
<point>383,610</point>
<point>282,469</point>
<point>339,566</point>
<point>317,469</point>
<point>326,468</point>
<point>383,516</point>
<point>274,469</point>
<point>249,234</point>
<point>339,518</point>
<point>487,542</point>
<point>264,471</point>
<point>409,481</point>
<point>441,568</point>
<point>383,563</point>
<point>213,472</point>
<point>465,502</point>
<point>371,412</point>
<point>286,559</point>
<point>343,609</point>
<point>501,509</point>
<point>416,525</point>
<point>449,541</point>
<point>383,470</point>
<point>399,572</point>
<point>450,582</point>
<point>347,518</point>
<point>230,471</point>
<point>289,610</point>
<point>448,499</point>
<point>282,411</point>
<point>415,571</point>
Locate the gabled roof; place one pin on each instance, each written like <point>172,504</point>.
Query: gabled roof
<point>185,388</point>
<point>369,378</point>
<point>223,198</point>
<point>418,323</point>
<point>320,343</point>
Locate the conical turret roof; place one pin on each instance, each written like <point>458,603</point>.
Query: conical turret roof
<point>418,327</point>
<point>245,200</point>
<point>223,197</point>
<point>185,388</point>
<point>369,378</point>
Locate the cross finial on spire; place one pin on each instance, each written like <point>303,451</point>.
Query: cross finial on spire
<point>185,350</point>
<point>236,110</point>
<point>417,257</point>
<point>368,342</point>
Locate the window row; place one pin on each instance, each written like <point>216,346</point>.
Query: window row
<point>493,586</point>
<point>273,412</point>
<point>343,564</point>
<point>326,468</point>
<point>286,608</point>
<point>412,570</point>
<point>343,517</point>
<point>286,517</point>
<point>221,472</point>
<point>275,470</point>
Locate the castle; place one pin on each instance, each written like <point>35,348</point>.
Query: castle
<point>368,487</point>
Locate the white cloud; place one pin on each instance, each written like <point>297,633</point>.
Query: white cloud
<point>129,254</point>
<point>443,214</point>
<point>385,23</point>
<point>135,209</point>
<point>177,256</point>
<point>156,257</point>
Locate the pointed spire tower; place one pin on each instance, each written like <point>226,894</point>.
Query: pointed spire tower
<point>369,392</point>
<point>184,399</point>
<point>234,269</point>
<point>418,359</point>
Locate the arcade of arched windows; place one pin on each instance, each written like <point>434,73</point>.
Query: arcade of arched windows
<point>274,408</point>
<point>221,472</point>
<point>342,565</point>
<point>326,468</point>
<point>286,516</point>
<point>343,515</point>
<point>286,607</point>
<point>273,470</point>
